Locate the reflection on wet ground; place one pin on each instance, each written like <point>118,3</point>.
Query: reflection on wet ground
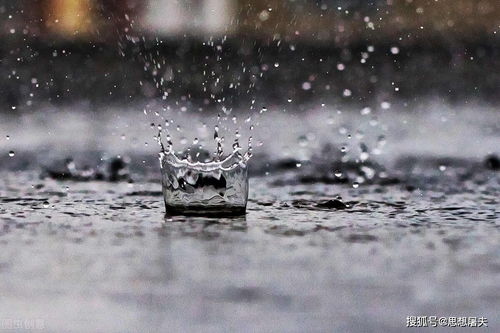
<point>317,255</point>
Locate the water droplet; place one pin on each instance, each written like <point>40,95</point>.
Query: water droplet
<point>364,156</point>
<point>359,180</point>
<point>394,50</point>
<point>369,172</point>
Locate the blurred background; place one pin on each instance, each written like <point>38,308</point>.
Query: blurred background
<point>207,52</point>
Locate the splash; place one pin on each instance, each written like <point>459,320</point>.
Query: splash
<point>197,182</point>
<point>198,158</point>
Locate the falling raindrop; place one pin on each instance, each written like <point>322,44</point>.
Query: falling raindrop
<point>365,111</point>
<point>364,156</point>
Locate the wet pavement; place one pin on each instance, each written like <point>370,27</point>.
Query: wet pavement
<point>420,235</point>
